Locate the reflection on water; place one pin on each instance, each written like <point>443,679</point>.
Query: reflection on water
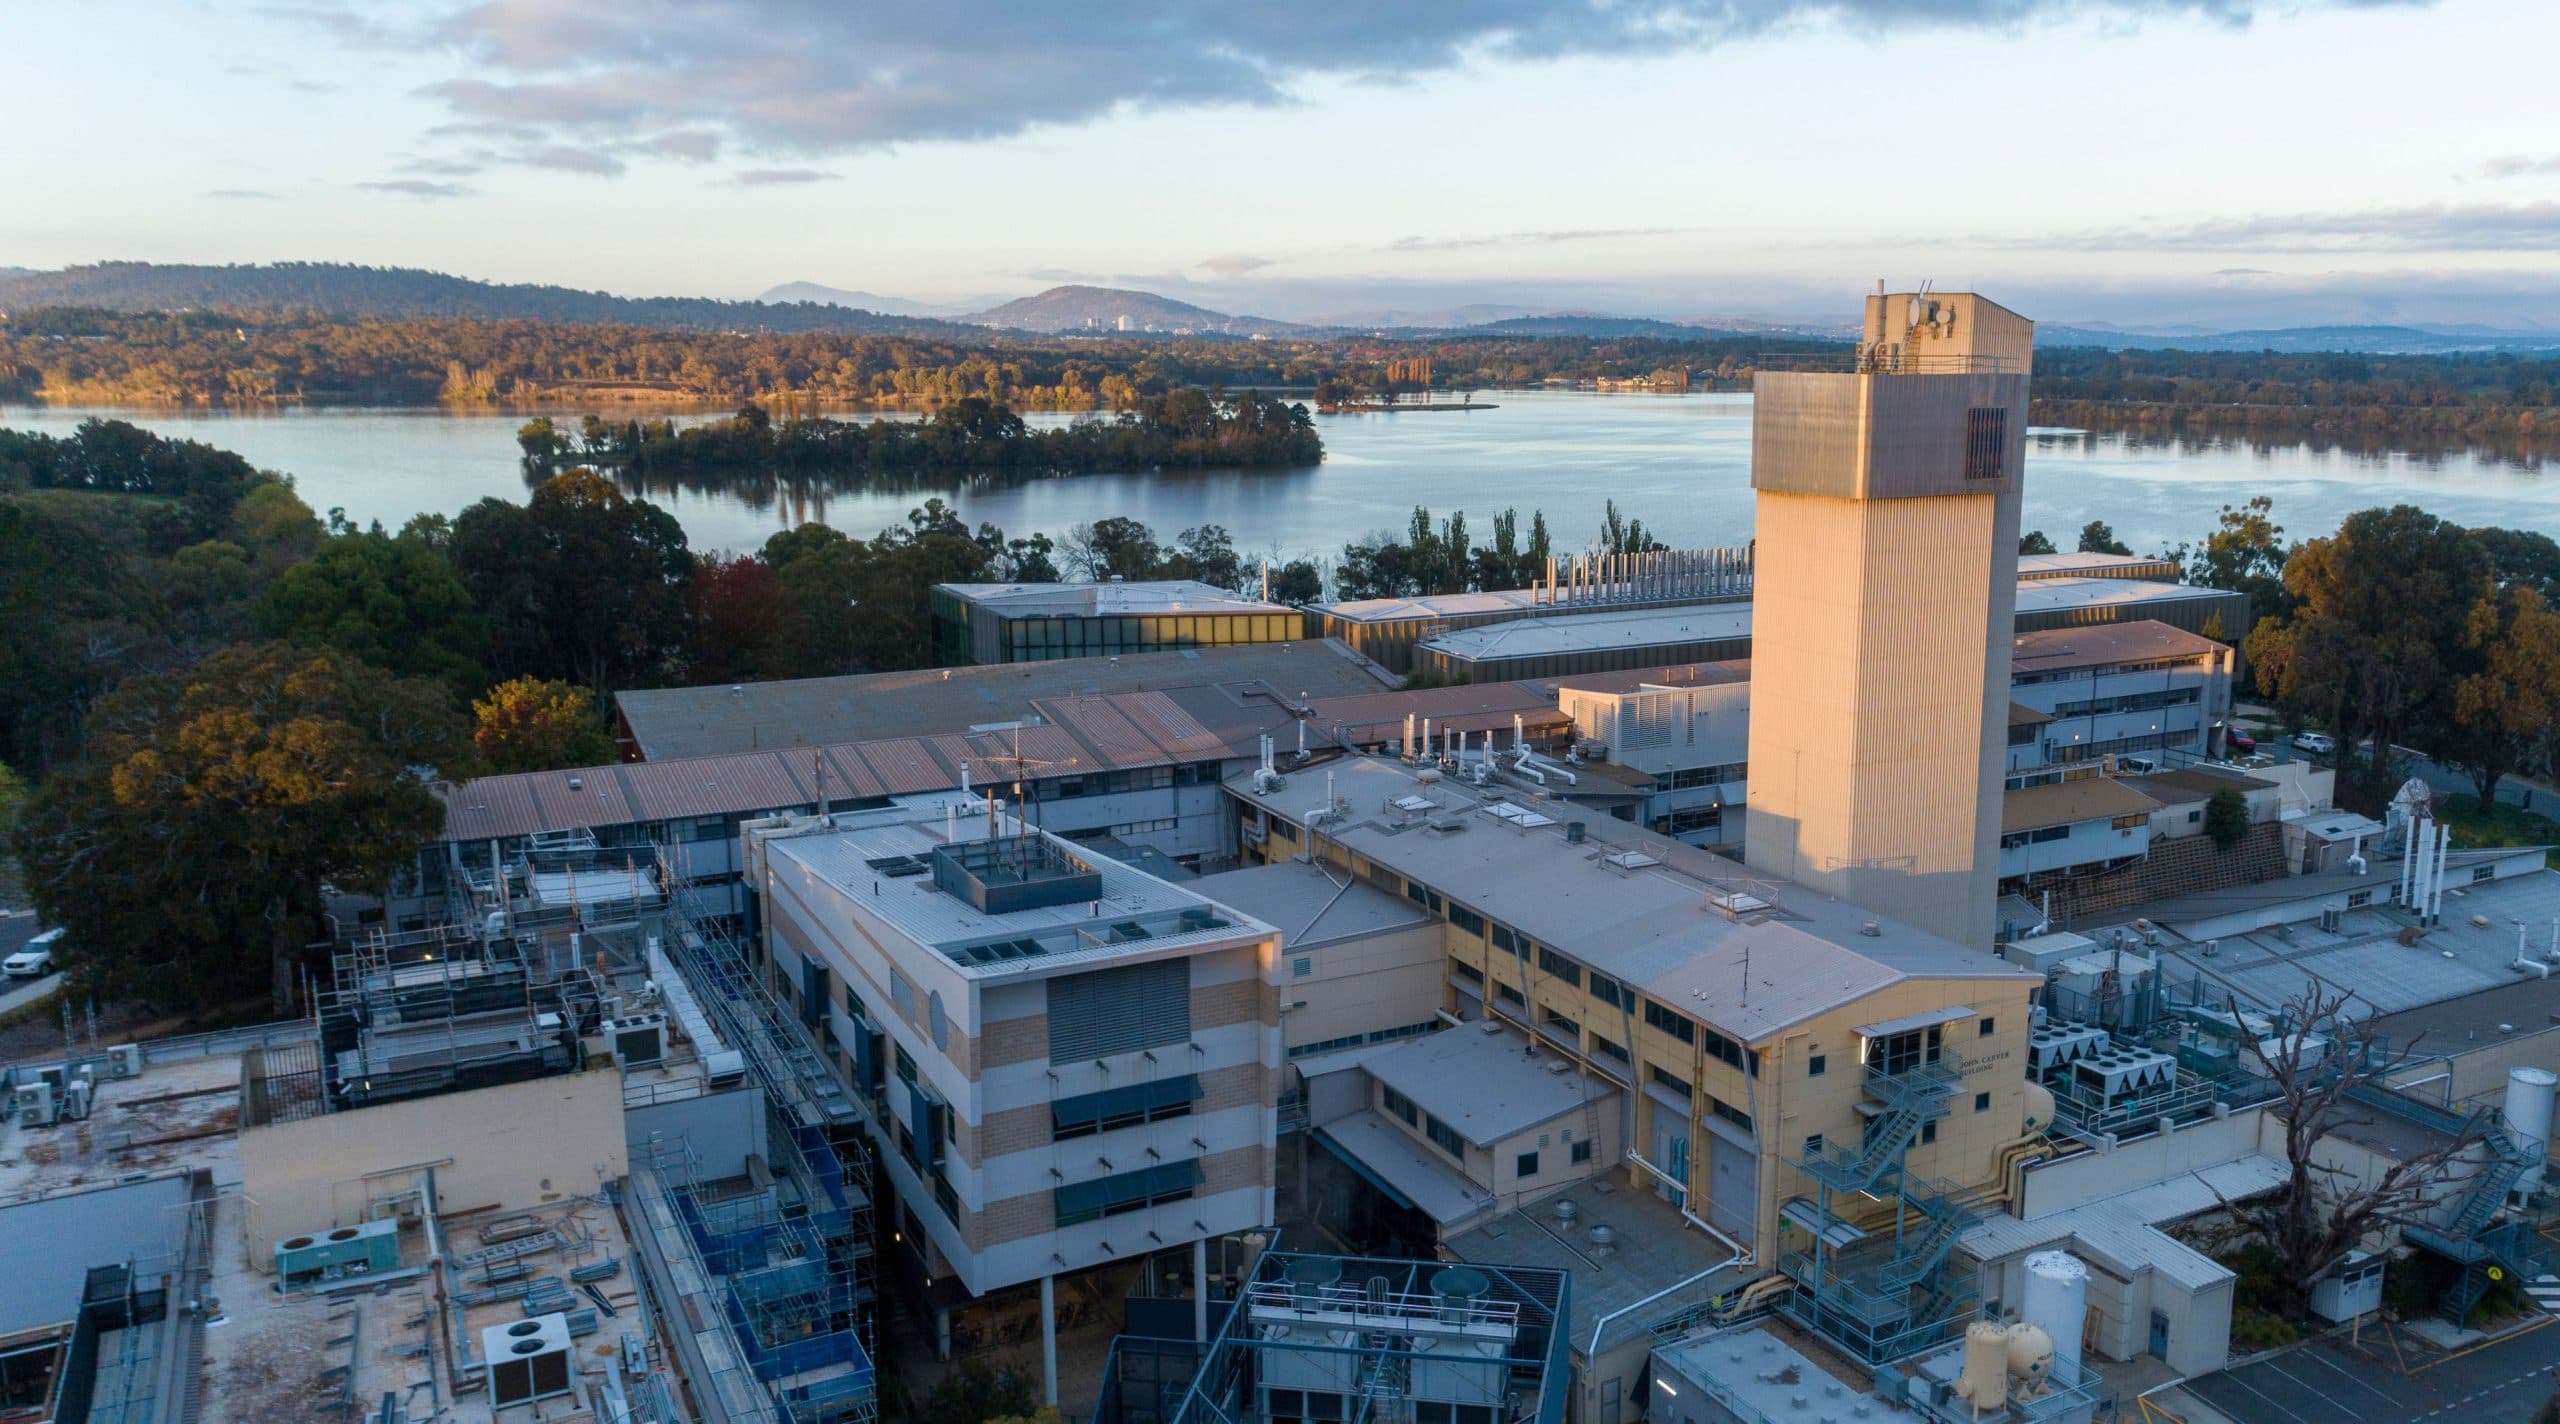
<point>1680,463</point>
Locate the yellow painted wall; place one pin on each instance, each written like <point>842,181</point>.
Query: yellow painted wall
<point>516,1146</point>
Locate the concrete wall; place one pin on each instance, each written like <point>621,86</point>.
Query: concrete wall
<point>515,1146</point>
<point>2063,1183</point>
<point>1361,986</point>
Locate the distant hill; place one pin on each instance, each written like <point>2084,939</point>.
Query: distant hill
<point>1098,309</point>
<point>2306,340</point>
<point>793,292</point>
<point>1594,326</point>
<point>346,290</point>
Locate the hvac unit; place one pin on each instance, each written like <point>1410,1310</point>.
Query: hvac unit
<point>2123,1074</point>
<point>1460,1353</point>
<point>33,1104</point>
<point>125,1060</point>
<point>2333,918</point>
<point>528,1360</point>
<point>345,1251</point>
<point>2061,1045</point>
<point>638,1040</point>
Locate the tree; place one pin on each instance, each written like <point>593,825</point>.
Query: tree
<point>2504,707</point>
<point>2226,818</point>
<point>273,524</point>
<point>578,582</point>
<point>187,858</point>
<point>742,621</point>
<point>390,600</point>
<point>2321,1212</point>
<point>1117,547</point>
<point>534,724</point>
<point>1297,583</point>
<point>975,1394</point>
<point>2245,553</point>
<point>13,800</point>
<point>2379,609</point>
<point>2034,542</point>
<point>2097,538</point>
<point>1208,554</point>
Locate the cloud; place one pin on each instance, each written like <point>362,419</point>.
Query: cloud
<point>2420,227</point>
<point>778,177</point>
<point>418,188</point>
<point>1524,239</point>
<point>2516,165</point>
<point>312,86</point>
<point>242,194</point>
<point>567,158</point>
<point>1233,264</point>
<point>790,77</point>
<point>444,167</point>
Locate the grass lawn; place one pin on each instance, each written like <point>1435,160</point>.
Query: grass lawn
<point>2501,825</point>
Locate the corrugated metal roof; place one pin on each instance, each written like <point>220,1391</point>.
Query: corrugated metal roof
<point>594,800</point>
<point>2068,803</point>
<point>1100,725</point>
<point>905,767</point>
<point>849,775</point>
<point>713,786</point>
<point>2099,644</point>
<point>1176,731</point>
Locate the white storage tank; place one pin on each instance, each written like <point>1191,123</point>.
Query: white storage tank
<point>2057,1299</point>
<point>2528,1112</point>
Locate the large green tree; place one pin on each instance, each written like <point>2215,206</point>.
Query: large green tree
<point>580,582</point>
<point>534,724</point>
<point>2246,553</point>
<point>389,599</point>
<point>2507,697</point>
<point>187,857</point>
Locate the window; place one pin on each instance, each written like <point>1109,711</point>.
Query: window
<point>1506,941</point>
<point>1813,1145</point>
<point>1610,992</point>
<point>1113,1108</point>
<point>1301,967</point>
<point>2483,872</point>
<point>1422,895</point>
<point>1988,1026</point>
<point>1527,1166</point>
<point>1079,1202</point>
<point>1982,1102</point>
<point>945,1198</point>
<point>1467,972</point>
<point>1677,1085</point>
<point>2127,823</point>
<point>1558,1023</point>
<point>1101,1012</point>
<point>1669,1022</point>
<point>1733,1114</point>
<point>1816,1065</point>
<point>1509,997</point>
<point>906,1065</point>
<point>1986,442</point>
<point>1466,919</point>
<point>1729,1053</point>
<point>1928,1132</point>
<point>1903,1052</point>
<point>1582,1152</point>
<point>1444,1137</point>
<point>1401,1106</point>
<point>1603,1048</point>
<point>1559,966</point>
<point>2194,816</point>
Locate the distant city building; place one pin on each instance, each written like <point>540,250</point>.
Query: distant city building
<point>1042,622</point>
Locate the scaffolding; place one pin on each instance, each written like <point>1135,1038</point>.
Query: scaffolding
<point>790,1259</point>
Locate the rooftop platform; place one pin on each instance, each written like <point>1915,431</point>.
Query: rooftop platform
<point>1310,908</point>
<point>1067,909</point>
<point>1487,1083</point>
<point>1678,922</point>
<point>2066,803</point>
<point>1657,1267</point>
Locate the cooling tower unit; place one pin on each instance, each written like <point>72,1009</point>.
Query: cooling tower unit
<point>528,1360</point>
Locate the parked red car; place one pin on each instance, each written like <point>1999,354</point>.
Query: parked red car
<point>2239,741</point>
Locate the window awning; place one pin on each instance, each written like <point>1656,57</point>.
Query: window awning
<point>1887,1028</point>
<point>1122,1101</point>
<point>1079,1198</point>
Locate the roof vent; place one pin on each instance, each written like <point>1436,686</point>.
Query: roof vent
<point>1566,1211</point>
<point>1871,930</point>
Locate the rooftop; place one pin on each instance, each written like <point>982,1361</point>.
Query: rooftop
<point>1373,718</point>
<point>1552,634</point>
<point>1756,1368</point>
<point>2104,644</point>
<point>2087,565</point>
<point>896,868</point>
<point>670,722</point>
<point>1415,1175</point>
<point>1713,674</point>
<point>1310,908</point>
<point>1676,921</point>
<point>2067,803</point>
<point>1487,1083</point>
<point>1114,597</point>
<point>2194,783</point>
<point>2364,956</point>
<point>1659,1266</point>
<point>2121,1233</point>
<point>1068,734</point>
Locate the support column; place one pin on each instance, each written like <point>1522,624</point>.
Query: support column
<point>1200,1290</point>
<point>1049,1341</point>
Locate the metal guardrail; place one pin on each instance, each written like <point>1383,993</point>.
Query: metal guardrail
<point>229,1040</point>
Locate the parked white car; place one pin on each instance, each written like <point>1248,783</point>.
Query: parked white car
<point>2316,743</point>
<point>34,959</point>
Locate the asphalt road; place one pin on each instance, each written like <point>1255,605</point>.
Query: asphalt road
<point>2326,1381</point>
<point>22,992</point>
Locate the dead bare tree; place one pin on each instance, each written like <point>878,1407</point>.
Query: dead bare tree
<point>2316,1062</point>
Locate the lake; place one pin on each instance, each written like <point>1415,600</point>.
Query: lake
<point>1679,463</point>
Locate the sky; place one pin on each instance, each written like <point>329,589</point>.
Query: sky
<point>2215,164</point>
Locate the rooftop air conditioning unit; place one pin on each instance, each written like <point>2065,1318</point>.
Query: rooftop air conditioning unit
<point>528,1360</point>
<point>126,1059</point>
<point>2333,918</point>
<point>638,1040</point>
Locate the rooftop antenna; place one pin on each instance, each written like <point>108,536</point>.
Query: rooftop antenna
<point>1026,801</point>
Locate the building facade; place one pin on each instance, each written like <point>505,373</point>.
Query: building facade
<point>1043,622</point>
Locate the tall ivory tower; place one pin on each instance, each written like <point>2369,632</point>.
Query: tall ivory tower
<point>1882,607</point>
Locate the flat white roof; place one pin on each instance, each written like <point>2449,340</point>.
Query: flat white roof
<point>1115,598</point>
<point>1485,1081</point>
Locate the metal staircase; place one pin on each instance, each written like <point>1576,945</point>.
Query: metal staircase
<point>1909,1099</point>
<point>1947,1214</point>
<point>1888,1295</point>
<point>2473,1236</point>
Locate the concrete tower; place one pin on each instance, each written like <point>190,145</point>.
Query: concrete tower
<point>1886,586</point>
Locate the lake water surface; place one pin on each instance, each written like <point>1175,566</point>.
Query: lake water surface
<point>1680,463</point>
